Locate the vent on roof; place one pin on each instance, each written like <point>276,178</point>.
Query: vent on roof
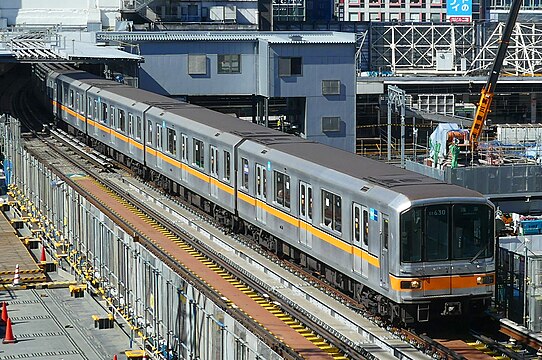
<point>365,188</point>
<point>295,37</point>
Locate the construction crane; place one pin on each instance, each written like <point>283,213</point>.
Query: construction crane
<point>488,91</point>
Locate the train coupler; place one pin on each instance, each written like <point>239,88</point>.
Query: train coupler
<point>452,308</point>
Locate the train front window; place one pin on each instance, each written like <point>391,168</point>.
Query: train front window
<point>447,232</point>
<point>436,232</point>
<point>472,236</point>
<point>412,235</point>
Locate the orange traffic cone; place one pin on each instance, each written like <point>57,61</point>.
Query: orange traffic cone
<point>43,258</point>
<point>9,338</point>
<point>4,312</point>
<point>17,276</point>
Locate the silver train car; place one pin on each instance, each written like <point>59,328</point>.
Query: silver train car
<point>407,246</point>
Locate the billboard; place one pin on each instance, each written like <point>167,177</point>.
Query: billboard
<point>459,10</point>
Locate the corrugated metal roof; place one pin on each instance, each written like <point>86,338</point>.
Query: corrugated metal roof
<point>29,45</point>
<point>311,37</point>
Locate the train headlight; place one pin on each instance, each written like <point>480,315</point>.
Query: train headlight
<point>411,284</point>
<point>485,280</point>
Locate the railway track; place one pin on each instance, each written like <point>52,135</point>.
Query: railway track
<point>239,314</point>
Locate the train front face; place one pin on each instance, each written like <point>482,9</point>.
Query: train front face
<point>447,262</point>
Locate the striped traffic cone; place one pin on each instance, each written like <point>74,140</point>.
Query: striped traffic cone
<point>9,338</point>
<point>17,276</point>
<point>4,312</point>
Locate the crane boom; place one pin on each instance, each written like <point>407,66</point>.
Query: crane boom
<point>488,91</point>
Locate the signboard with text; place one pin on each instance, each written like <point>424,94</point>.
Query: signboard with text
<point>459,10</point>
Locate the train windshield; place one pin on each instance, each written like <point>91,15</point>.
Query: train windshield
<point>447,232</point>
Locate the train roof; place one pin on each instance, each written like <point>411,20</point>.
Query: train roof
<point>413,185</point>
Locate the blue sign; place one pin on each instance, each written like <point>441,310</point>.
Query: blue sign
<point>373,214</point>
<point>459,10</point>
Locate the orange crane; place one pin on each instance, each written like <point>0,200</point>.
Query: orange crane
<point>488,91</point>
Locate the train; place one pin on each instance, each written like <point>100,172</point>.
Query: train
<point>408,247</point>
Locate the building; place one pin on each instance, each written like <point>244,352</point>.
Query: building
<point>302,82</point>
<point>406,10</point>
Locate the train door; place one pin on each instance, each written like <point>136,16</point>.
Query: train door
<point>159,147</point>
<point>184,157</point>
<point>357,234</point>
<point>112,124</point>
<point>365,240</point>
<point>305,213</point>
<point>55,97</point>
<point>261,193</point>
<point>384,247</point>
<point>214,171</point>
<point>131,123</point>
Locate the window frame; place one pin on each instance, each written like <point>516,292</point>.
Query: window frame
<point>290,72</point>
<point>328,87</point>
<point>226,173</point>
<point>171,143</point>
<point>139,125</point>
<point>159,137</point>
<point>121,120</point>
<point>149,132</point>
<point>283,201</point>
<point>245,174</point>
<point>227,58</point>
<point>335,224</point>
<point>105,113</point>
<point>184,148</point>
<point>198,153</point>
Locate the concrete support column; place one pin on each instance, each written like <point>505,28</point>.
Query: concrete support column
<point>533,108</point>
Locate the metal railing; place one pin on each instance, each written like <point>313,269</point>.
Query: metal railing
<point>135,5</point>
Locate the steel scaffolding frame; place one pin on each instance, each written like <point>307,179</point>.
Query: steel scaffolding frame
<point>413,48</point>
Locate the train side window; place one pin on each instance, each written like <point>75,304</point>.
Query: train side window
<point>71,99</point>
<point>184,147</point>
<point>90,114</point>
<point>331,211</point>
<point>159,137</point>
<point>138,127</point>
<point>112,115</point>
<point>130,124</point>
<point>309,195</point>
<point>122,120</point>
<point>386,233</point>
<point>199,153</point>
<point>365,227</point>
<point>282,189</point>
<point>104,113</point>
<point>227,166</point>
<point>244,179</point>
<point>77,102</point>
<point>149,132</point>
<point>171,141</point>
<point>96,113</point>
<point>357,224</point>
